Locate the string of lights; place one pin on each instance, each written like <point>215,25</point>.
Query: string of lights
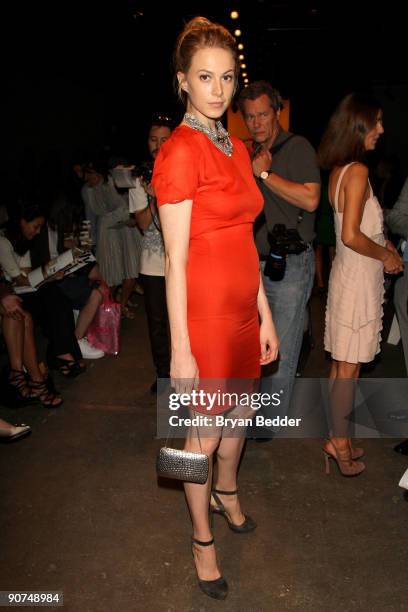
<point>234,15</point>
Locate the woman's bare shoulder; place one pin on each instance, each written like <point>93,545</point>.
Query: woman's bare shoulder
<point>357,172</point>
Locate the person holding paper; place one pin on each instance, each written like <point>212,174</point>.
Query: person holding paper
<point>80,284</point>
<point>47,305</point>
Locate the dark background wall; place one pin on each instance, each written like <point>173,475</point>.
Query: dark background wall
<point>89,75</point>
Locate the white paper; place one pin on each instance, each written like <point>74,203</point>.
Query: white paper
<point>60,262</point>
<point>123,179</point>
<point>19,290</point>
<point>35,277</point>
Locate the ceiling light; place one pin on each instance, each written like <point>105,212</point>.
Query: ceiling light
<point>243,66</point>
<point>234,14</point>
<point>241,57</point>
<point>237,33</point>
<point>240,46</point>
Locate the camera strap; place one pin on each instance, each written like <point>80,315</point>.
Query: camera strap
<point>276,148</point>
<point>154,216</point>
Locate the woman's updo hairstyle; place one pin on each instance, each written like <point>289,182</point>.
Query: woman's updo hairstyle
<point>200,33</point>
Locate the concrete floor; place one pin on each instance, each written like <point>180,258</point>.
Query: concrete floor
<point>81,510</point>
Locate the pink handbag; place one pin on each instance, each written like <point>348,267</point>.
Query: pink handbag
<point>104,331</point>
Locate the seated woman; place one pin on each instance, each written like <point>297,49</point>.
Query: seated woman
<point>80,288</point>
<point>47,305</point>
<point>17,328</point>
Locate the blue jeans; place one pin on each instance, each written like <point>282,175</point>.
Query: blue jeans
<point>288,299</point>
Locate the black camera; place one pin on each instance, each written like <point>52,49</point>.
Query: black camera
<point>284,241</point>
<point>145,171</point>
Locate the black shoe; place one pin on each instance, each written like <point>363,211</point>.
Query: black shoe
<point>219,508</point>
<point>402,448</point>
<point>70,368</point>
<point>218,588</point>
<point>164,385</point>
<point>14,389</point>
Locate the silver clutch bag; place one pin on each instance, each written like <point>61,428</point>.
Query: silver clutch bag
<point>182,465</point>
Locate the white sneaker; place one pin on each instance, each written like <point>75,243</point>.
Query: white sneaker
<point>88,351</point>
<point>404,481</point>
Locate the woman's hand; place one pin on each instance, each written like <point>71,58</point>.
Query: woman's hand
<point>55,277</point>
<point>393,262</point>
<point>148,187</point>
<point>70,243</point>
<point>390,247</point>
<point>184,372</point>
<point>269,341</point>
<point>12,307</point>
<point>21,280</point>
<point>131,222</point>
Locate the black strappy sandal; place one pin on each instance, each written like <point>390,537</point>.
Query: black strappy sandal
<point>16,390</point>
<point>41,392</point>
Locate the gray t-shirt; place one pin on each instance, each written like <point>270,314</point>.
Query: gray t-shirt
<point>295,161</point>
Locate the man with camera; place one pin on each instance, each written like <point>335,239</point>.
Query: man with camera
<point>143,202</point>
<point>288,175</point>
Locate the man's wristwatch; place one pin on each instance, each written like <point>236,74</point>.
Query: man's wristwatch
<point>264,175</point>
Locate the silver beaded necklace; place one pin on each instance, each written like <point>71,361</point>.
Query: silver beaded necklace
<point>219,136</point>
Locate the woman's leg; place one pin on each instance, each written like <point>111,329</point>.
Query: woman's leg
<point>127,287</point>
<point>198,500</point>
<point>157,323</point>
<point>94,273</point>
<point>229,454</point>
<point>30,352</point>
<point>38,386</point>
<point>343,375</point>
<point>13,332</point>
<point>88,313</point>
<point>58,322</point>
<point>228,457</point>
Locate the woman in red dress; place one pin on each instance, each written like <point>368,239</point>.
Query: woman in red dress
<point>208,201</point>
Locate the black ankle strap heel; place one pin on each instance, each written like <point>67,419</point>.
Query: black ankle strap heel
<point>219,508</point>
<point>217,589</point>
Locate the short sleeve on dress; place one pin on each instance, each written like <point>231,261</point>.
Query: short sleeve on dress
<point>176,169</point>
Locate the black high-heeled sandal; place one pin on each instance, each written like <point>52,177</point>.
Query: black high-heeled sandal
<point>41,392</point>
<point>218,588</point>
<point>245,527</point>
<point>67,367</point>
<point>16,392</point>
